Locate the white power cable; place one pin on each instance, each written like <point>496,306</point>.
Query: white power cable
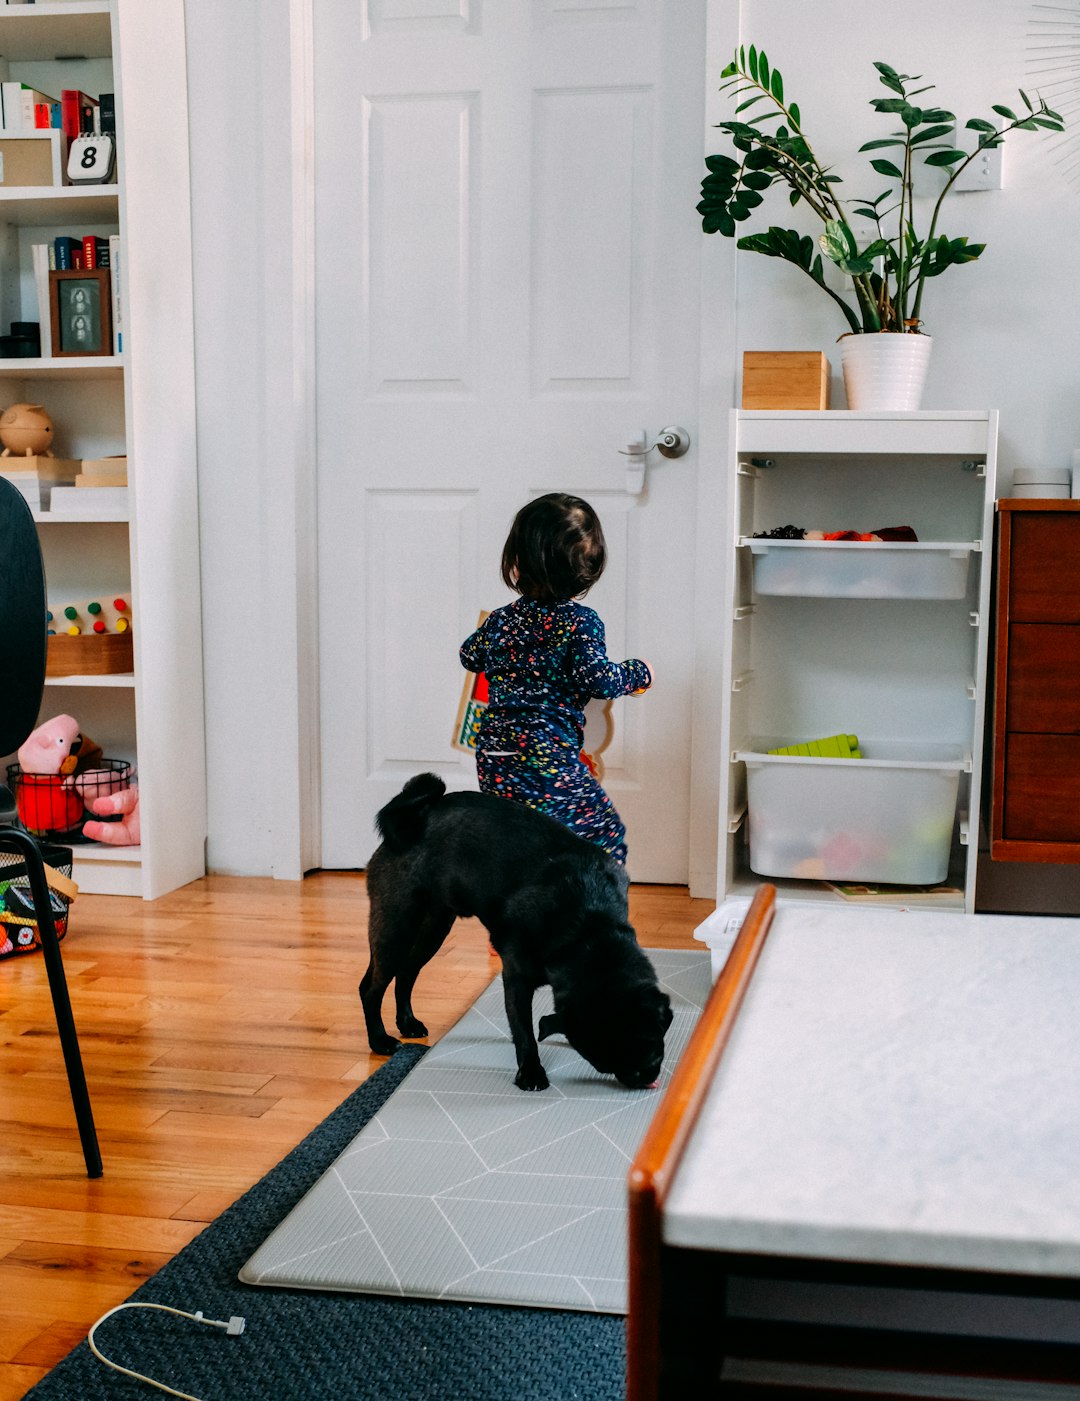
<point>234,1327</point>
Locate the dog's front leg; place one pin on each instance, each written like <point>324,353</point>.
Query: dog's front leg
<point>518,996</point>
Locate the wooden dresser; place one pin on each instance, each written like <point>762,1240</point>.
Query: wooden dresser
<point>1036,783</point>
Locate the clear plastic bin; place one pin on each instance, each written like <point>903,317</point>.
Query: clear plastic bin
<point>888,816</point>
<point>860,568</point>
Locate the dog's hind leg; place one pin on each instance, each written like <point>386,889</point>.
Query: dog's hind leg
<point>549,1025</point>
<point>429,935</point>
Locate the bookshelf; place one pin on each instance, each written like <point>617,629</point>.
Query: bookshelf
<point>139,404</point>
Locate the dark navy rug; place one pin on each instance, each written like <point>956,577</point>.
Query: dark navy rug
<point>303,1346</point>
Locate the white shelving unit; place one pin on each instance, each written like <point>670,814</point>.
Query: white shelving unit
<point>883,641</point>
<point>140,404</point>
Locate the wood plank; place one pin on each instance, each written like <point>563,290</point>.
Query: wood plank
<point>218,1025</point>
<point>658,1156</point>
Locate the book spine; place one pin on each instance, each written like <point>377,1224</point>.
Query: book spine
<point>114,282</point>
<point>11,95</point>
<point>101,252</point>
<point>69,111</point>
<point>42,116</point>
<point>66,248</point>
<point>40,255</point>
<point>89,251</point>
<point>107,112</point>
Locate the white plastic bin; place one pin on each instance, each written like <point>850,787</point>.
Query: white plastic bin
<point>886,817</point>
<point>860,568</point>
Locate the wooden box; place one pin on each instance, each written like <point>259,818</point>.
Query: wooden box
<point>785,379</point>
<point>90,654</point>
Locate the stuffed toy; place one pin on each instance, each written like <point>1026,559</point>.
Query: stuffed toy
<point>126,832</point>
<point>48,748</point>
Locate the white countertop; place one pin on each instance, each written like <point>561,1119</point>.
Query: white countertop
<point>899,1087</point>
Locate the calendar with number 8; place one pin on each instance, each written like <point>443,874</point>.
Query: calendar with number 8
<point>90,159</point>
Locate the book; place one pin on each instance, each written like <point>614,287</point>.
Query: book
<point>66,249</point>
<point>876,891</point>
<point>105,466</point>
<point>97,481</point>
<point>101,247</point>
<point>39,252</point>
<point>74,105</point>
<point>98,501</point>
<point>20,102</point>
<point>107,112</point>
<point>114,283</point>
<point>89,250</point>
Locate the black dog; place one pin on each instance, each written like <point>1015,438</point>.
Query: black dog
<point>554,905</point>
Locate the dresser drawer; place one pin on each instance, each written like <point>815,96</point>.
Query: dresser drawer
<point>1043,688</point>
<point>1042,788</point>
<point>1044,574</point>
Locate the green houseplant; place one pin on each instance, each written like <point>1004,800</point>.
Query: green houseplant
<point>890,265</point>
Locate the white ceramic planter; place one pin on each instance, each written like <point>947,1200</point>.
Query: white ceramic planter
<point>884,369</point>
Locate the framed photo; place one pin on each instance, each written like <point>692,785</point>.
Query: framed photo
<point>80,310</point>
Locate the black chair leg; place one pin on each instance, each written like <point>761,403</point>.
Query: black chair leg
<point>65,1022</point>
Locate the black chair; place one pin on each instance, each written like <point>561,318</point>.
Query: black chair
<point>22,646</point>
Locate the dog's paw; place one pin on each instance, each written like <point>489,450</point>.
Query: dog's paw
<point>549,1024</point>
<point>383,1045</point>
<point>531,1078</point>
<point>412,1027</point>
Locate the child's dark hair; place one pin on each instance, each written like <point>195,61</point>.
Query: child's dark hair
<point>555,549</point>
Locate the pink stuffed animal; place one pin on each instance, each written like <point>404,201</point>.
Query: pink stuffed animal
<point>123,833</point>
<point>47,749</point>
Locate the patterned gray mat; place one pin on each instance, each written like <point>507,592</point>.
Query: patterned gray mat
<point>463,1187</point>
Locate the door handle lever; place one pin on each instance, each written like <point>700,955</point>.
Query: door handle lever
<point>672,442</point>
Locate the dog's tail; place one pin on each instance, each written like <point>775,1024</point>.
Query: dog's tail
<point>401,822</point>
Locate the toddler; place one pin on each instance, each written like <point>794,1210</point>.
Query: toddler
<point>544,658</point>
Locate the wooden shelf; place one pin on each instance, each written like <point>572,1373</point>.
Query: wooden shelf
<point>73,367</point>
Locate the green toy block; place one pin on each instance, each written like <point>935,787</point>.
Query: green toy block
<point>832,747</point>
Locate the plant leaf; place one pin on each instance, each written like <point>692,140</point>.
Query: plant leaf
<point>880,145</point>
<point>945,157</point>
<point>884,167</point>
<point>749,102</point>
<point>757,180</point>
<point>796,115</point>
<point>1027,100</point>
<point>763,70</point>
<point>1006,112</point>
<point>931,133</point>
<point>751,66</point>
<point>777,85</point>
<point>980,124</point>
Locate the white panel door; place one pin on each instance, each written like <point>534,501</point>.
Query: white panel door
<point>507,270</point>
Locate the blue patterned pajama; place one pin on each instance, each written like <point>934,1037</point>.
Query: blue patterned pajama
<point>544,662</point>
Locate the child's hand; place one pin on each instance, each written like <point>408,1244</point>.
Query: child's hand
<point>652,677</point>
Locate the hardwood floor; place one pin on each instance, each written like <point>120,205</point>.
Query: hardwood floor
<point>218,1026</point>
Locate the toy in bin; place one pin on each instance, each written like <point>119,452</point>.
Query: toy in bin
<point>831,747</point>
<point>18,926</point>
<point>60,774</point>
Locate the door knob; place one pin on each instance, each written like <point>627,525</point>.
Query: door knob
<point>671,442</point>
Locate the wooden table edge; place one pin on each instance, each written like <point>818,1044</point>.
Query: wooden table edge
<point>654,1164</point>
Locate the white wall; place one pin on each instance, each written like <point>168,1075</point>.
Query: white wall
<point>1005,329</point>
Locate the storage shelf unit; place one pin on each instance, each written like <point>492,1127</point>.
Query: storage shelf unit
<point>881,640</point>
<point>140,404</point>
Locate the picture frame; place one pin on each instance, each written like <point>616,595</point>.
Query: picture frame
<point>80,312</point>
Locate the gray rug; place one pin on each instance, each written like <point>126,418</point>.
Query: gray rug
<point>463,1187</point>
